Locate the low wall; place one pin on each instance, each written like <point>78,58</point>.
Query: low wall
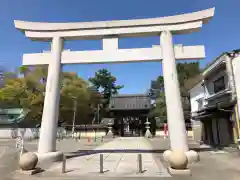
<point>90,134</point>
<point>12,133</point>
<point>161,133</point>
<point>33,133</point>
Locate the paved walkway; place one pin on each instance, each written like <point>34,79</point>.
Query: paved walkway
<point>8,161</point>
<point>116,164</point>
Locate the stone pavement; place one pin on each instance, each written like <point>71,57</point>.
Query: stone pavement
<point>70,145</point>
<point>119,164</point>
<point>214,165</point>
<point>8,161</point>
<point>9,156</point>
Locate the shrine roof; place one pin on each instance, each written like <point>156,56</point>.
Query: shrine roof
<point>130,102</point>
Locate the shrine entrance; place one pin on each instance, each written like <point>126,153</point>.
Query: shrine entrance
<point>131,126</point>
<point>130,113</point>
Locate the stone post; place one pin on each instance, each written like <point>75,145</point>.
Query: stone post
<point>176,122</point>
<point>47,141</point>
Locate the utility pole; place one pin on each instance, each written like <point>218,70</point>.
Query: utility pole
<point>74,114</point>
<point>98,113</point>
<point>232,86</point>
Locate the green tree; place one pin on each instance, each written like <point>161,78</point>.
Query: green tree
<point>103,86</point>
<point>75,90</point>
<point>185,71</point>
<point>28,92</point>
<point>23,70</point>
<point>104,80</point>
<point>159,109</point>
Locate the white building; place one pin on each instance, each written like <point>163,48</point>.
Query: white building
<point>213,98</point>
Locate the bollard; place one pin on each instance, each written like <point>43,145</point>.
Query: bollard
<point>63,164</point>
<point>238,140</point>
<point>22,147</point>
<point>140,163</point>
<point>95,138</point>
<point>102,139</point>
<point>101,163</point>
<point>22,150</point>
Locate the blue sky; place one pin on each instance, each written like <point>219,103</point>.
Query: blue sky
<point>221,34</point>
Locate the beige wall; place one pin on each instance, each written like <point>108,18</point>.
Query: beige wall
<point>197,130</point>
<point>6,133</point>
<point>161,133</point>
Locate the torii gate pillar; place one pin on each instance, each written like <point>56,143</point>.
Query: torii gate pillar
<point>47,140</point>
<point>177,129</point>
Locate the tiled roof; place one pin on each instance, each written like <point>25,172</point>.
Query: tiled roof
<point>222,54</point>
<point>190,83</point>
<point>212,62</point>
<point>130,102</point>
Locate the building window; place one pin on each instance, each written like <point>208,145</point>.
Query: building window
<point>219,85</point>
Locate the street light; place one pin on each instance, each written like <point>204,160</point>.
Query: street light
<point>74,114</point>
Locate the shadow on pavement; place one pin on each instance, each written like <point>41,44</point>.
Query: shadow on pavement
<point>80,153</point>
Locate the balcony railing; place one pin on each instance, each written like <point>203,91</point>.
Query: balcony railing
<point>216,95</point>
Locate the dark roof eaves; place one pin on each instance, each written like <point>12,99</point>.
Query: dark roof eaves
<point>211,63</point>
<point>206,68</point>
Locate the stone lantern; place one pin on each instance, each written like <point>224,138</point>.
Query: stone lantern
<point>148,133</point>
<point>110,133</point>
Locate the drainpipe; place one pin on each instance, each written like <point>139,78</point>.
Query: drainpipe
<point>232,87</point>
<point>231,82</point>
<point>205,89</point>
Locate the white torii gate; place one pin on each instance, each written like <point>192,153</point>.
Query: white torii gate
<point>110,32</point>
